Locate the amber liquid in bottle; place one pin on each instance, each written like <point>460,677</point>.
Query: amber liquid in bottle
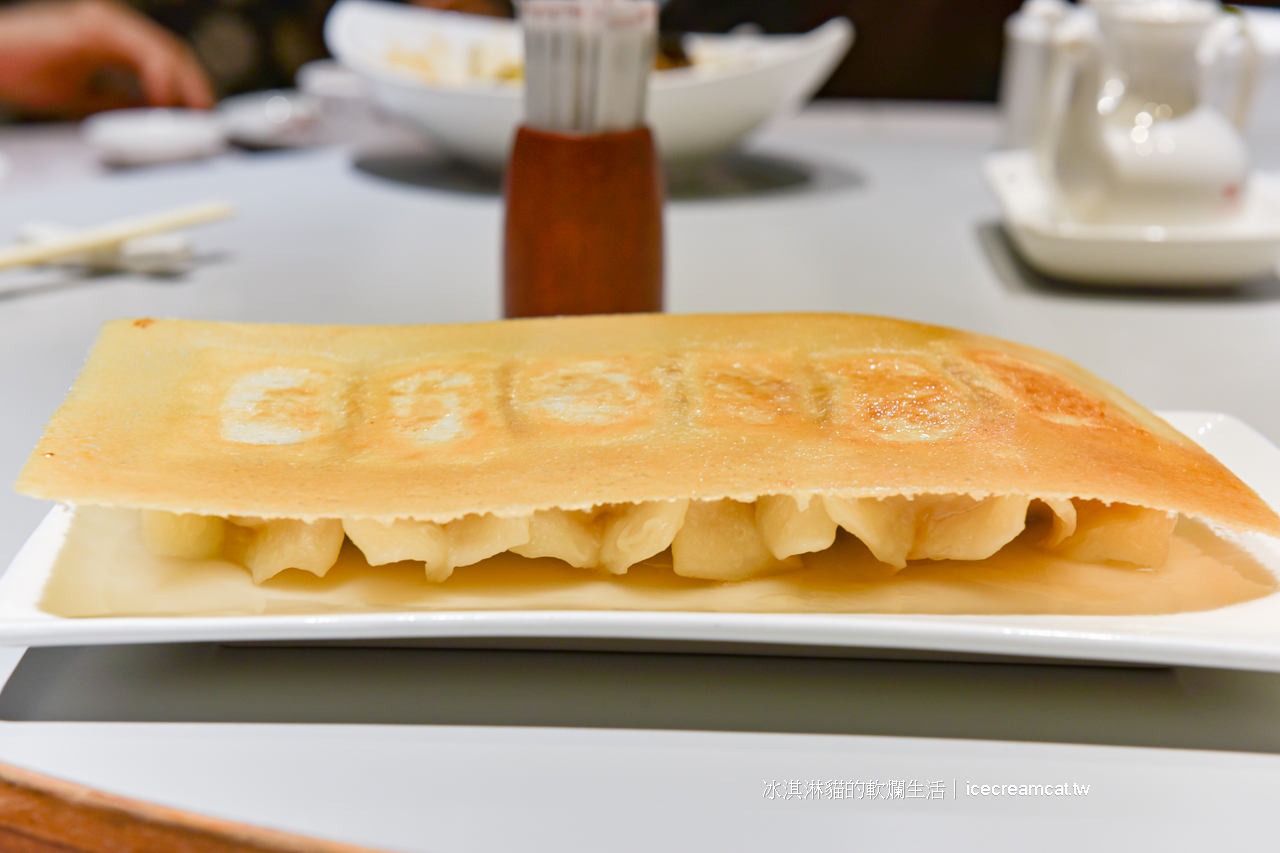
<point>583,231</point>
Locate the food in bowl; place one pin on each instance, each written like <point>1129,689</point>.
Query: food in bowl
<point>497,60</point>
<point>454,77</point>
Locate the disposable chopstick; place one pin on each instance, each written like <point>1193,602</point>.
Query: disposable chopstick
<point>113,233</point>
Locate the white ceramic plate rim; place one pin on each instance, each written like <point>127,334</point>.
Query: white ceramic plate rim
<point>1243,636</point>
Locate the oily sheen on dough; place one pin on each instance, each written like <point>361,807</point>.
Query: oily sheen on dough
<point>436,422</point>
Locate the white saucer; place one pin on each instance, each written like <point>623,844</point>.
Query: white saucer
<point>138,137</point>
<point>277,118</point>
<point>1229,252</point>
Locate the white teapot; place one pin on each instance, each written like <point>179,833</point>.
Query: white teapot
<point>1128,136</point>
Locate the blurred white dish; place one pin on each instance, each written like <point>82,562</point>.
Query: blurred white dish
<point>270,119</point>
<point>139,137</point>
<point>325,79</point>
<point>1221,253</point>
<point>455,77</point>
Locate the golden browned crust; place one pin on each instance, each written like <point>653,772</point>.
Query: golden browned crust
<point>435,422</point>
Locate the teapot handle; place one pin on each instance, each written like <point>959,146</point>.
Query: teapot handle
<point>1231,27</point>
<point>1070,42</point>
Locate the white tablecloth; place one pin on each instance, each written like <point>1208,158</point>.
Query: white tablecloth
<point>440,749</point>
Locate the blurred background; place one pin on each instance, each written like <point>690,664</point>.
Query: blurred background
<point>67,58</point>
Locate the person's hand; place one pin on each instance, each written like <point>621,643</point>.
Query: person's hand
<point>69,58</point>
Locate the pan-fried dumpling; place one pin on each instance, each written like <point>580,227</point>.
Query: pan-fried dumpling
<point>741,443</point>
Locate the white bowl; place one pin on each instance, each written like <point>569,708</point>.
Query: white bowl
<point>440,72</point>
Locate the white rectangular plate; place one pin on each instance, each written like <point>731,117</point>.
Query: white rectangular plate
<point>1243,636</point>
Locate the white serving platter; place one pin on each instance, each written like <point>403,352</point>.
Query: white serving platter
<point>1242,636</point>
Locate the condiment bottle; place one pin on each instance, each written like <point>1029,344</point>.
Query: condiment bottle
<point>584,188</point>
